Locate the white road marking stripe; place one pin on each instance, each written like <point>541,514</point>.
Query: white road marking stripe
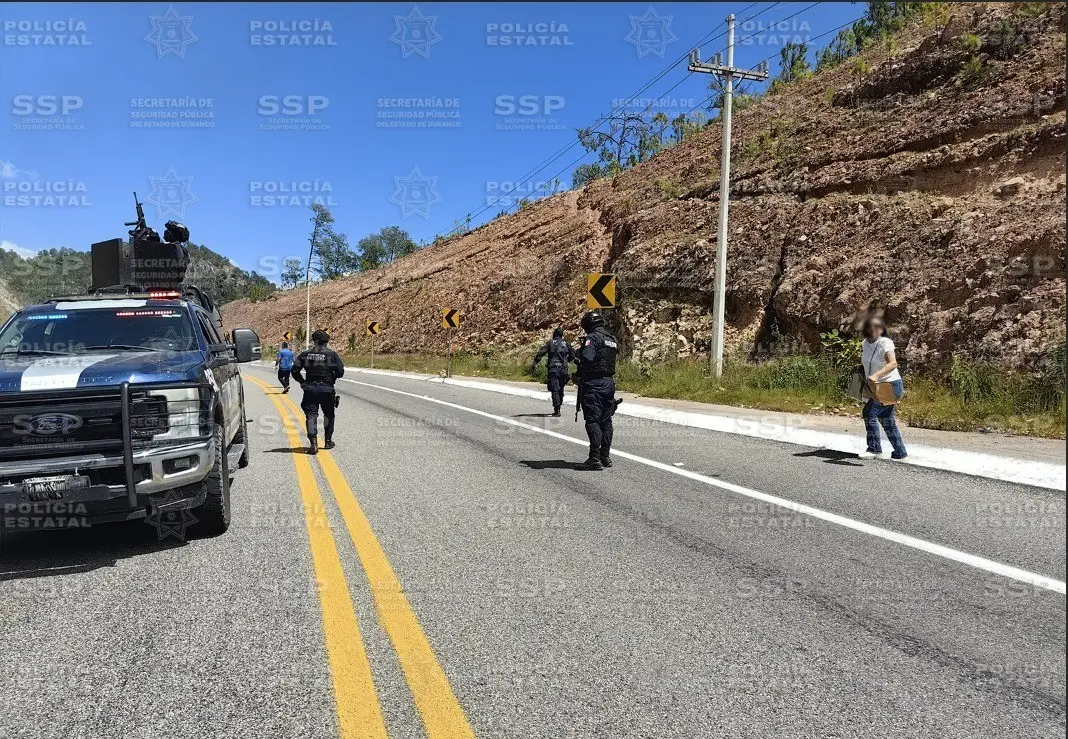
<point>987,565</point>
<point>761,426</point>
<point>59,373</point>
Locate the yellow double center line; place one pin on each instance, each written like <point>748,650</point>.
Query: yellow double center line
<point>357,704</point>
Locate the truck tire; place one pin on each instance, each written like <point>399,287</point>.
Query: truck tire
<point>213,515</point>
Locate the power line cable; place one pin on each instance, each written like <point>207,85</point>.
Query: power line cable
<point>709,98</point>
<point>545,163</point>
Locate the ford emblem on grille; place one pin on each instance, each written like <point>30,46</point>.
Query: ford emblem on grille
<point>52,424</point>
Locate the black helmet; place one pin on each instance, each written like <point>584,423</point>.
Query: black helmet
<point>558,333</point>
<point>591,320</point>
<point>320,337</point>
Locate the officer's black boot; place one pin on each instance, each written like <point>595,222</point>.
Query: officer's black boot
<point>590,465</point>
<point>329,443</point>
<point>313,445</point>
<point>606,461</point>
<point>556,411</point>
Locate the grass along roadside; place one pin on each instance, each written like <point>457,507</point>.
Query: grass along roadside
<point>970,397</point>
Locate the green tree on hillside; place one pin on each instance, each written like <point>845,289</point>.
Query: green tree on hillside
<point>383,247</point>
<point>583,175</point>
<point>631,138</point>
<point>292,273</point>
<point>332,257</point>
<point>336,257</point>
<point>883,17</point>
<point>740,97</point>
<point>793,62</point>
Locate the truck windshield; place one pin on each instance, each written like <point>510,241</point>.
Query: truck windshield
<point>98,329</point>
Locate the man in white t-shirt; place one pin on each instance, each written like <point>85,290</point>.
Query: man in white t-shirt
<point>879,358</point>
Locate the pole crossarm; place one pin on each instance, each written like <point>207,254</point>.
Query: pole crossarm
<point>757,75</point>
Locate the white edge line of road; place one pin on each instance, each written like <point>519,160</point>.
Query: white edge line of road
<point>992,466</point>
<point>987,565</point>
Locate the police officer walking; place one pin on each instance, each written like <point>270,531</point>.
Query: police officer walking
<point>560,355</point>
<point>597,388</point>
<point>316,370</point>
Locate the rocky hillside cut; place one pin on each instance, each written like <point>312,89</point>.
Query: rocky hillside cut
<point>929,185</point>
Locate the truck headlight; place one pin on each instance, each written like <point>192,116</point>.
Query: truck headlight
<point>183,413</point>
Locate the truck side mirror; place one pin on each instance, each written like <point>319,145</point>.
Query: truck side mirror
<point>247,347</point>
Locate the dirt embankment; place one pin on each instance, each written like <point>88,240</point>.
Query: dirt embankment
<point>921,187</point>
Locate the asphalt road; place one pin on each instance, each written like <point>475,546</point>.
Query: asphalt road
<point>445,572</point>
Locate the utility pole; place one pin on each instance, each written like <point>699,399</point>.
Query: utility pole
<point>728,72</point>
<point>307,285</point>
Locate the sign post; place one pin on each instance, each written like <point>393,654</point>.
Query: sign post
<point>373,329</point>
<point>450,321</point>
<point>448,365</point>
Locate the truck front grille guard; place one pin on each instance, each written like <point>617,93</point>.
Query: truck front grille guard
<point>127,430</point>
<point>127,391</point>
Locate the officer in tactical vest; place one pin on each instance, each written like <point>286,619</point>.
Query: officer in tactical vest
<point>316,370</point>
<point>597,388</point>
<point>560,355</point>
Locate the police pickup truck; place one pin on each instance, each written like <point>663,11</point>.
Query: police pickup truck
<point>121,404</point>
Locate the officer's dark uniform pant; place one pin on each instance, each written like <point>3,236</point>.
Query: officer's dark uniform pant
<point>598,406</point>
<point>316,397</point>
<point>556,382</point>
<point>283,377</point>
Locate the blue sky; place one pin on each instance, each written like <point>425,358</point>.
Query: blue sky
<point>233,117</point>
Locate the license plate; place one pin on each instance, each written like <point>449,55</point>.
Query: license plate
<point>53,488</point>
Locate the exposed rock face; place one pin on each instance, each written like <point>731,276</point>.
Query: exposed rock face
<point>909,189</point>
